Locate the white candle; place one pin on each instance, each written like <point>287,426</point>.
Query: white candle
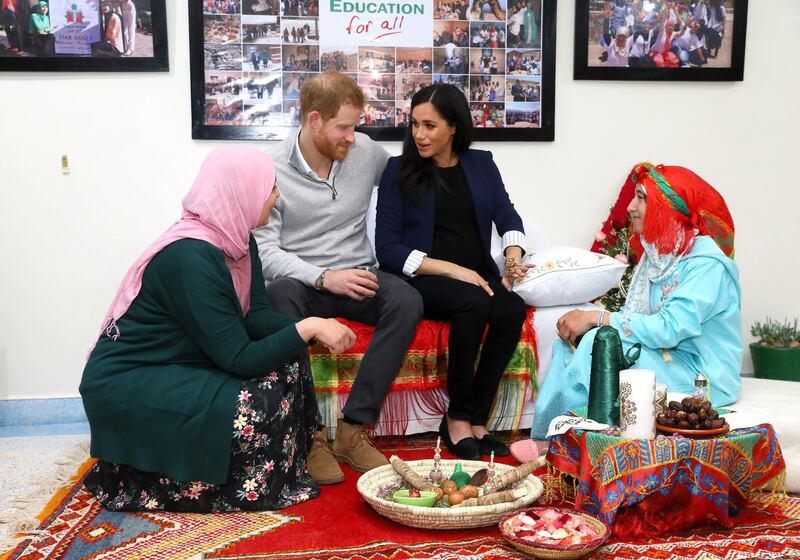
<point>637,411</point>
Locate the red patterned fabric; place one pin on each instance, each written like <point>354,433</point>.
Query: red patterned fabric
<point>650,487</point>
<point>425,363</point>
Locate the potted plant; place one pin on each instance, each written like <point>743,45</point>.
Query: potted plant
<point>777,353</point>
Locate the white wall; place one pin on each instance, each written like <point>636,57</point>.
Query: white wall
<point>67,240</point>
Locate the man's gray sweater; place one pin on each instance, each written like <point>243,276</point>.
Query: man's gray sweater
<point>309,230</point>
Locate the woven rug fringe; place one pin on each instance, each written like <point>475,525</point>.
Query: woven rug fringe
<point>772,491</point>
<point>22,519</point>
<point>560,486</point>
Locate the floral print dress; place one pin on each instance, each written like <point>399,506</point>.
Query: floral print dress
<point>274,421</point>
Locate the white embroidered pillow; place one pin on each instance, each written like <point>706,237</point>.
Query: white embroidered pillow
<point>567,275</point>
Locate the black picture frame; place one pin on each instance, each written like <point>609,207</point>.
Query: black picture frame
<point>587,38</point>
<point>154,25</point>
<point>544,133</point>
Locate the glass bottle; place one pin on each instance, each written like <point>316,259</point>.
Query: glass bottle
<point>702,388</point>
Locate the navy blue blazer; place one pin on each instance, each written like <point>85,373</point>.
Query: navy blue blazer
<point>401,226</point>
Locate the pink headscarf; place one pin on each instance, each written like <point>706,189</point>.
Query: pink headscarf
<point>223,205</point>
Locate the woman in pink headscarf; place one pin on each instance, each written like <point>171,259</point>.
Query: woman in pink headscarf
<point>198,395</point>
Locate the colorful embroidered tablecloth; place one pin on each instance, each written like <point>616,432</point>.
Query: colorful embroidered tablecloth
<point>651,486</point>
<point>422,374</point>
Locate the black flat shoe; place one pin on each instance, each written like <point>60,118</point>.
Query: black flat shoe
<point>489,443</point>
<point>468,448</point>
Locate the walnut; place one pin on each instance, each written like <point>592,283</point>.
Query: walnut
<point>455,498</point>
<point>449,486</point>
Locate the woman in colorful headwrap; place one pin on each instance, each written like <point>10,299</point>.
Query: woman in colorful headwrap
<point>198,395</point>
<point>683,305</point>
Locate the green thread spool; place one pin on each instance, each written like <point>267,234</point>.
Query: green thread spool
<point>607,361</point>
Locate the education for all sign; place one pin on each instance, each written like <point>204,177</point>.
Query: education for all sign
<point>376,23</point>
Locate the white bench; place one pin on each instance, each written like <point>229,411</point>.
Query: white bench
<point>776,403</point>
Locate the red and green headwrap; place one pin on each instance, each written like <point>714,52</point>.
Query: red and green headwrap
<point>678,202</point>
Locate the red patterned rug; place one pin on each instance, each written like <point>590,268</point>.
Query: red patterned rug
<point>340,526</point>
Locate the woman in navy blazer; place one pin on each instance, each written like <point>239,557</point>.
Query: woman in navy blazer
<point>436,206</point>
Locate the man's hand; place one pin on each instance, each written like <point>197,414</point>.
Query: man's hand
<point>351,282</point>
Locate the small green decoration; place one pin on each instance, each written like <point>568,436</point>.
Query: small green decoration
<point>459,476</point>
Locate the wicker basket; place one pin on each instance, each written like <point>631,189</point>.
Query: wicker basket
<point>554,551</point>
<point>439,517</point>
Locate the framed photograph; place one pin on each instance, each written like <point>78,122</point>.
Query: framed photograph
<point>250,58</point>
<point>83,35</point>
<point>692,40</point>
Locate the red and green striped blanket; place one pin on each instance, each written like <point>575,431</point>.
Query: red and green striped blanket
<point>422,378</point>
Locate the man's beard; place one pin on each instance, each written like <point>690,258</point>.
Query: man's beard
<point>327,148</point>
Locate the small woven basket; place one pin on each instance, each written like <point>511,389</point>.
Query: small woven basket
<point>440,517</point>
<point>554,551</point>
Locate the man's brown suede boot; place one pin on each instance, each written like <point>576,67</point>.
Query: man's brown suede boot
<point>352,446</point>
<point>321,464</point>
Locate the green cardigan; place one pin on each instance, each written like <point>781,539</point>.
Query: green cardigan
<point>161,398</point>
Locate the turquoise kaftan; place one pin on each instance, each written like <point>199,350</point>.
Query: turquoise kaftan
<point>695,326</point>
